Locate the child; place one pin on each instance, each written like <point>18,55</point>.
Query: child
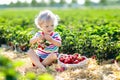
<point>48,41</point>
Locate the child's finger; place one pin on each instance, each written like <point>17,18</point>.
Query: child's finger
<point>31,46</point>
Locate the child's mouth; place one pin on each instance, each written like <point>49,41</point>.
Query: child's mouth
<point>49,31</point>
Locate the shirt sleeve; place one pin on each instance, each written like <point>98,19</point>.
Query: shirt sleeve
<point>57,37</point>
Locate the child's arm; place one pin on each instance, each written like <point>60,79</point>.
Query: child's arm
<point>36,39</point>
<point>57,43</point>
<point>50,39</point>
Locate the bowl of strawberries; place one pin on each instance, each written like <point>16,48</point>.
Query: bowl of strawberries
<point>75,60</point>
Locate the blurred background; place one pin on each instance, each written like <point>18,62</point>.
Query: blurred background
<point>59,3</point>
<point>89,27</point>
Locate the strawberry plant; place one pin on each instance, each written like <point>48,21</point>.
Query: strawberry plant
<point>82,31</point>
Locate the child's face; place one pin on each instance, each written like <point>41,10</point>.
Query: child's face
<point>47,28</point>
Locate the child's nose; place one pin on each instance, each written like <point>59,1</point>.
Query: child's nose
<point>50,28</point>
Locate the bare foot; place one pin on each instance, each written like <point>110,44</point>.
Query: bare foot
<point>42,67</point>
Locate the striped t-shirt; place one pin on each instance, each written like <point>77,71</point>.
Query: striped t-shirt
<point>49,47</point>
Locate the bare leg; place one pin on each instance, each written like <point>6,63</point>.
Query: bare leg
<point>35,59</point>
<point>49,59</point>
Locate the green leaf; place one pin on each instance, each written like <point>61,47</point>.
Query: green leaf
<point>45,76</point>
<point>118,57</point>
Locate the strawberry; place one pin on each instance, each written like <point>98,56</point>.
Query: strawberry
<point>93,57</point>
<point>79,59</point>
<point>71,59</point>
<point>39,46</point>
<point>76,61</point>
<point>83,58</point>
<point>61,59</point>
<point>61,69</point>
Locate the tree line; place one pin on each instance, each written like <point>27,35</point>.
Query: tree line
<point>62,3</point>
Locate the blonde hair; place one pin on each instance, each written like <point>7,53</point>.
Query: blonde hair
<point>45,17</point>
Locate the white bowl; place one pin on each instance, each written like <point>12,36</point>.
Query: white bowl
<point>80,64</point>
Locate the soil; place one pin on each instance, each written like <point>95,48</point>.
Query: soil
<point>91,71</point>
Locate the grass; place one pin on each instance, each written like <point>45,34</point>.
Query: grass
<point>92,71</point>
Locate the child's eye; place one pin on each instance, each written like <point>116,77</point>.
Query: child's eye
<point>52,25</point>
<point>46,26</point>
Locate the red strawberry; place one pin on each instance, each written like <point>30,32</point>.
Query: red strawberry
<point>83,58</point>
<point>61,69</point>
<point>61,59</point>
<point>93,57</point>
<point>39,46</point>
<point>76,61</point>
<point>79,59</point>
<point>69,60</point>
<point>76,54</point>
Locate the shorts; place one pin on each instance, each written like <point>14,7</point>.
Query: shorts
<point>44,55</point>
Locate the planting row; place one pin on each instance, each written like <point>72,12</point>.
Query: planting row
<point>88,32</point>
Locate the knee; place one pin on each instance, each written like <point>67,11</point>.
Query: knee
<point>30,52</point>
<point>53,56</point>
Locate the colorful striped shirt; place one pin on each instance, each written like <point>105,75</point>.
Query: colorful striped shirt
<point>48,47</point>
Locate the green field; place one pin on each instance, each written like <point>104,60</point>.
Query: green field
<point>90,32</point>
<point>86,31</point>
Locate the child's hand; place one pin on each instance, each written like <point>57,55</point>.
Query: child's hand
<point>48,37</point>
<point>36,39</point>
<point>41,37</point>
<point>51,40</point>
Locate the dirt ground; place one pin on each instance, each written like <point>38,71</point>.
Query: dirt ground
<point>91,71</point>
